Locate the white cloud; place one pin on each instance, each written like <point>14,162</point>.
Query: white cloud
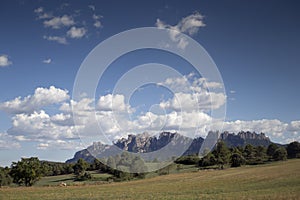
<point>38,126</point>
<point>47,61</point>
<point>92,7</point>
<point>294,127</point>
<point>96,17</point>
<point>39,10</point>
<point>4,61</point>
<point>202,101</point>
<point>7,142</point>
<point>97,23</point>
<point>189,25</point>
<point>117,118</point>
<point>113,103</point>
<point>273,127</point>
<point>60,40</point>
<point>76,32</point>
<point>43,146</point>
<point>59,22</point>
<point>60,144</point>
<point>192,93</point>
<point>41,14</point>
<point>41,97</point>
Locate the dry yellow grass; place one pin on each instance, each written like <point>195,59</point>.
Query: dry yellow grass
<point>279,180</point>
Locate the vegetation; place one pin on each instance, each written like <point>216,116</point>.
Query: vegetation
<point>26,172</point>
<point>223,156</point>
<point>277,180</point>
<point>293,150</point>
<point>5,178</point>
<point>127,166</point>
<point>56,168</point>
<point>80,170</point>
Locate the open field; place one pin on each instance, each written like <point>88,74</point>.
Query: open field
<point>69,179</point>
<point>279,180</point>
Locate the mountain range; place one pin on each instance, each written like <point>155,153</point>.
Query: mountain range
<point>168,144</point>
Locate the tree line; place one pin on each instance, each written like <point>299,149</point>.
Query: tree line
<point>127,166</point>
<point>223,156</point>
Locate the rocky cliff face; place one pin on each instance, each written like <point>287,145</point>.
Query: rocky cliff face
<point>164,145</point>
<point>244,138</point>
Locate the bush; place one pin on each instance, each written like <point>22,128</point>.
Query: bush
<point>293,150</point>
<point>280,154</point>
<point>188,160</point>
<point>83,177</point>
<point>237,160</point>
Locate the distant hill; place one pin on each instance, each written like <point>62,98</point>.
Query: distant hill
<point>166,144</point>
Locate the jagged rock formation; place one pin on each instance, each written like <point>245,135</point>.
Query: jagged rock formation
<point>243,138</point>
<point>165,145</point>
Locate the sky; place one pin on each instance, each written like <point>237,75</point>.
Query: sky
<point>254,46</point>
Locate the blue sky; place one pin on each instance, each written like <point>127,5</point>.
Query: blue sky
<point>255,45</point>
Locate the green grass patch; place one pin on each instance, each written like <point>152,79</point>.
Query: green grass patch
<point>278,180</point>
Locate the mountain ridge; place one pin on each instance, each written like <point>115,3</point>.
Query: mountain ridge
<point>167,143</point>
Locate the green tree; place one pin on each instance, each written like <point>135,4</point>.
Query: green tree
<point>222,154</point>
<point>80,170</point>
<point>138,167</point>
<point>249,154</point>
<point>26,172</point>
<point>80,167</point>
<point>280,154</point>
<point>271,149</point>
<point>188,160</point>
<point>208,160</point>
<point>293,150</point>
<point>126,159</point>
<point>236,158</point>
<point>5,178</point>
<point>111,162</point>
<point>260,154</point>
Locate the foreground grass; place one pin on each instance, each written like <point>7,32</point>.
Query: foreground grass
<point>280,180</point>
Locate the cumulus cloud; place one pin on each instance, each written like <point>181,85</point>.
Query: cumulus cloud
<point>196,101</point>
<point>189,25</point>
<point>47,61</point>
<point>110,116</point>
<point>38,126</point>
<point>41,97</point>
<point>113,103</point>
<point>4,61</point>
<point>60,40</point>
<point>192,93</point>
<point>274,127</point>
<point>76,32</point>
<point>59,22</point>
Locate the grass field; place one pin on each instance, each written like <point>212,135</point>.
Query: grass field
<point>69,179</point>
<point>279,180</point>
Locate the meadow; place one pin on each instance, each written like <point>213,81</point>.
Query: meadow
<point>278,180</point>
